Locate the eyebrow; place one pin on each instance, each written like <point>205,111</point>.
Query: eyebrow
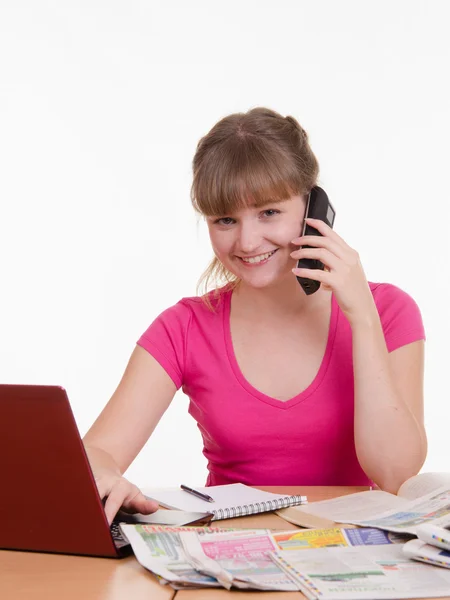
<point>268,203</point>
<point>261,206</point>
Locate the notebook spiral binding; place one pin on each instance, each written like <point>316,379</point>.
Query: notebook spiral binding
<point>256,507</point>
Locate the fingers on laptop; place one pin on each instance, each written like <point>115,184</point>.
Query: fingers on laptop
<point>127,496</point>
<point>140,503</point>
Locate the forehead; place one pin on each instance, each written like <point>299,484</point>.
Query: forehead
<point>251,207</point>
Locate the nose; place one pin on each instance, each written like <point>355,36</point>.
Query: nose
<point>249,237</point>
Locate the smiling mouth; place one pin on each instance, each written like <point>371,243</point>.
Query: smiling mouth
<point>259,258</point>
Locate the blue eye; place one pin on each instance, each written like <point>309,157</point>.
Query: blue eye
<point>270,212</point>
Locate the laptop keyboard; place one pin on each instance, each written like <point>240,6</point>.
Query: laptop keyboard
<point>118,538</point>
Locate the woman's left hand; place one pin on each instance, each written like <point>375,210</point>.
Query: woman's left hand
<point>343,272</point>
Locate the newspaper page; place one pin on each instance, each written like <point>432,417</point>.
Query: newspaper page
<point>419,550</point>
<point>362,505</point>
<point>423,484</point>
<point>363,573</point>
<point>159,550</point>
<point>386,511</point>
<point>432,508</point>
<point>298,539</point>
<point>238,558</point>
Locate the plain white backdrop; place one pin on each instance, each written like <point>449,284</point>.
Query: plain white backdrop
<point>101,107</point>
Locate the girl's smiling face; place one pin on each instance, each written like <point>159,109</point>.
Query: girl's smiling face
<point>254,243</point>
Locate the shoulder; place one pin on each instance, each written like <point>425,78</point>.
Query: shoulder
<point>400,315</point>
<point>200,308</point>
<point>181,326</point>
<point>387,290</point>
<point>388,296</point>
<point>167,338</point>
<point>205,307</point>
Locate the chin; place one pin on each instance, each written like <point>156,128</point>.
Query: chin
<point>267,282</point>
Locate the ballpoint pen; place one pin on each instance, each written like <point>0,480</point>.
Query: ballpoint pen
<point>200,495</point>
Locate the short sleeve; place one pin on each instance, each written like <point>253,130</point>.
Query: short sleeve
<point>166,340</point>
<point>400,316</point>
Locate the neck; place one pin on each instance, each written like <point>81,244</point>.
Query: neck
<point>286,299</point>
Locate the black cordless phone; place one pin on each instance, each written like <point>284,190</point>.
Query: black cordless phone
<point>318,207</point>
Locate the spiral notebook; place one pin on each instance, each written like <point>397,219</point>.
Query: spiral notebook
<point>233,500</point>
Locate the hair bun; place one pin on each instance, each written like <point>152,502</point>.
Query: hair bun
<point>297,126</point>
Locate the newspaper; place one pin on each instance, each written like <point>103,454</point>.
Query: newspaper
<point>336,536</point>
<point>159,550</point>
<point>362,573</point>
<point>380,509</point>
<point>432,508</point>
<point>238,558</point>
<point>201,557</point>
<point>241,559</point>
<point>427,553</point>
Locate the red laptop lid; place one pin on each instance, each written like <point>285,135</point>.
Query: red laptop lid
<point>48,497</point>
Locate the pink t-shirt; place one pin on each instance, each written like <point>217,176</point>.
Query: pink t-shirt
<point>250,437</point>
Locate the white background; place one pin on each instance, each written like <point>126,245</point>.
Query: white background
<point>101,107</point>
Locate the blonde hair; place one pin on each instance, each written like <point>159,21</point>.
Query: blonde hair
<point>258,155</point>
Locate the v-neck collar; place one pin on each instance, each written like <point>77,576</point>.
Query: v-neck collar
<point>281,404</point>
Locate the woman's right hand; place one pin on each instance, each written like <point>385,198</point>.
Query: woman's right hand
<point>123,427</point>
<point>121,494</point>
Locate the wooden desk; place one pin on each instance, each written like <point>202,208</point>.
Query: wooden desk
<point>35,576</point>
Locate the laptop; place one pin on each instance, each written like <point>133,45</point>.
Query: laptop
<point>48,498</point>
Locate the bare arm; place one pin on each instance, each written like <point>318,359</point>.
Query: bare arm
<point>123,427</point>
<point>390,437</point>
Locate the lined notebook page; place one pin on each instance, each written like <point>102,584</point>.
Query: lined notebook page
<point>229,497</point>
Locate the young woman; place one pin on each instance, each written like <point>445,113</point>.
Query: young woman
<point>286,388</point>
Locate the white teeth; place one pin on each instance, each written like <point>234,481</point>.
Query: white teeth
<point>257,259</point>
